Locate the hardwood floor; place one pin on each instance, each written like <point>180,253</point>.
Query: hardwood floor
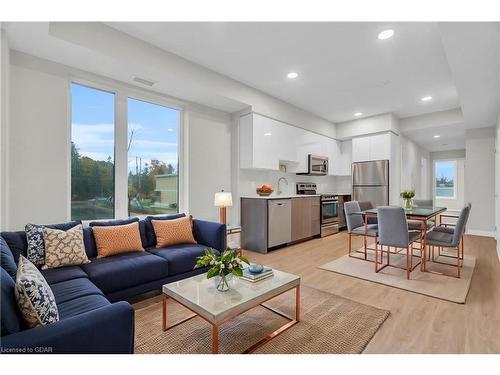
<point>417,324</point>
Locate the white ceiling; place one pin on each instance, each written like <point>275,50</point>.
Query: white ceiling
<point>343,68</point>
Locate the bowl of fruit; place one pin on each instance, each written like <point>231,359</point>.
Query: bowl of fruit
<point>265,190</point>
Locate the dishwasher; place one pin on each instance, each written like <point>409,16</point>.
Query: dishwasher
<point>279,222</point>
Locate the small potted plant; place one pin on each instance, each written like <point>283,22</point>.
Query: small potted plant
<point>224,266</point>
<point>408,195</point>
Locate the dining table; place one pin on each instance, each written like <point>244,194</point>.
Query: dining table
<point>422,214</point>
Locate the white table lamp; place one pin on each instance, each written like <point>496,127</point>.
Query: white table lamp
<point>222,200</point>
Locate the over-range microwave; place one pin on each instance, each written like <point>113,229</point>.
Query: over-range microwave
<point>316,166</point>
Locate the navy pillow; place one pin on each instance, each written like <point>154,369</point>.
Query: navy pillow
<point>110,223</point>
<point>89,242</point>
<point>149,237</point>
<point>10,315</point>
<point>7,259</point>
<point>63,226</point>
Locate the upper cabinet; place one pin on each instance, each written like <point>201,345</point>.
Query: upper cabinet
<point>373,147</point>
<point>267,143</point>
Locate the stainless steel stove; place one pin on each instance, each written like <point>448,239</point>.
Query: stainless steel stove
<point>329,207</point>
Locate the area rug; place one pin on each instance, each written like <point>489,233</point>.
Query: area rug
<point>329,324</point>
<point>437,286</point>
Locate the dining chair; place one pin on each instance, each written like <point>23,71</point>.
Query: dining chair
<point>367,205</point>
<point>393,232</point>
<point>440,239</point>
<point>356,227</point>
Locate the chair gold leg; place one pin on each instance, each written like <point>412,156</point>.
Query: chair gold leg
<point>408,262</point>
<point>350,243</point>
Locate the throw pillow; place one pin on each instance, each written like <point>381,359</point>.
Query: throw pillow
<point>173,232</point>
<point>36,247</point>
<point>64,248</point>
<point>34,296</point>
<point>112,240</point>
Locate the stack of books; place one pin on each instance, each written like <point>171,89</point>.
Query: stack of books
<point>254,277</point>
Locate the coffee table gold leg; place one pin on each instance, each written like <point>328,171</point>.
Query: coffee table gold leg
<point>215,339</point>
<point>297,303</point>
<point>164,316</point>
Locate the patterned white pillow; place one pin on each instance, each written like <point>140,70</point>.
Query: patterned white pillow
<point>34,296</point>
<point>64,248</point>
<point>36,246</point>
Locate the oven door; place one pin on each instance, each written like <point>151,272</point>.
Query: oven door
<point>329,212</point>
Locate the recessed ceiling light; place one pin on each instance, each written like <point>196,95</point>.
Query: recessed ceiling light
<point>437,136</point>
<point>267,134</point>
<point>426,98</point>
<point>357,114</point>
<point>170,130</point>
<point>386,34</point>
<point>292,75</point>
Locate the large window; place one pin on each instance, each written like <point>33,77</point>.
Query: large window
<point>92,153</point>
<point>446,179</point>
<point>153,158</point>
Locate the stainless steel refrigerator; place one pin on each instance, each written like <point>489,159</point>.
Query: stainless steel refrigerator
<point>370,182</point>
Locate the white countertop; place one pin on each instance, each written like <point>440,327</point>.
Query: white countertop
<point>282,196</point>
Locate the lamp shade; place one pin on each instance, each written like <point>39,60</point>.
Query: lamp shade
<point>223,199</point>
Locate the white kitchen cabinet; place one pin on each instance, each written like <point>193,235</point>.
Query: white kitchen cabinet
<point>345,158</point>
<point>373,147</point>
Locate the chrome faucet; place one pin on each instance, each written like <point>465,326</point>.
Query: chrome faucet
<point>284,179</point>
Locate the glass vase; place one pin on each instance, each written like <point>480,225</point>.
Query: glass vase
<point>223,282</point>
<point>408,203</point>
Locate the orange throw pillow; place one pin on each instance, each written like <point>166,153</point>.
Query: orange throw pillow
<point>117,239</point>
<point>173,232</point>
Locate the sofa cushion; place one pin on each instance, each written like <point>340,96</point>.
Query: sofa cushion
<point>17,243</point>
<point>34,296</point>
<point>9,314</point>
<point>36,245</point>
<point>181,258</point>
<point>7,261</point>
<point>112,223</point>
<point>147,231</point>
<point>64,248</point>
<point>89,242</point>
<point>125,270</point>
<point>81,305</point>
<point>57,275</point>
<point>71,289</point>
<point>173,232</point>
<point>117,239</point>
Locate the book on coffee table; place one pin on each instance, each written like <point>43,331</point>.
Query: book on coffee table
<point>254,277</point>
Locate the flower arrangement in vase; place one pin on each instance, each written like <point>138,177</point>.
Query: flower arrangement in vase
<point>224,266</point>
<point>408,195</point>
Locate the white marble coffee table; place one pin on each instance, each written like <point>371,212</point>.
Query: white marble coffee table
<point>199,295</point>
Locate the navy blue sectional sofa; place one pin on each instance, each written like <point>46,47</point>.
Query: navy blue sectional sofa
<point>94,318</point>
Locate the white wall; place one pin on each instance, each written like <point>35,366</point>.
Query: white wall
<point>4,119</point>
<point>497,185</point>
<point>480,179</point>
<point>368,125</point>
<point>411,167</point>
<point>209,161</point>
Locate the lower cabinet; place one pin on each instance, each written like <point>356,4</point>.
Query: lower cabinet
<point>306,220</point>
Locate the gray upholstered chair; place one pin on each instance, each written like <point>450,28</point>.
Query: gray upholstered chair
<point>417,224</point>
<point>445,239</point>
<point>393,232</point>
<point>423,203</point>
<point>367,205</point>
<point>356,227</point>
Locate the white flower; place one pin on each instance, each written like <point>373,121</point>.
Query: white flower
<point>222,266</point>
<point>212,262</point>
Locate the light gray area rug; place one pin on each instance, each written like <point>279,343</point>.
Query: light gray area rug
<point>437,286</point>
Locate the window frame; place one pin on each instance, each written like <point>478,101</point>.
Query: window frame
<point>121,93</point>
<point>455,177</point>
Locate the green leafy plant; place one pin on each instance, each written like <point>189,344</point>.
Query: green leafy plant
<point>229,262</point>
<point>407,194</point>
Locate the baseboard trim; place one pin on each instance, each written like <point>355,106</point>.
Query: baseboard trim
<point>483,233</point>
